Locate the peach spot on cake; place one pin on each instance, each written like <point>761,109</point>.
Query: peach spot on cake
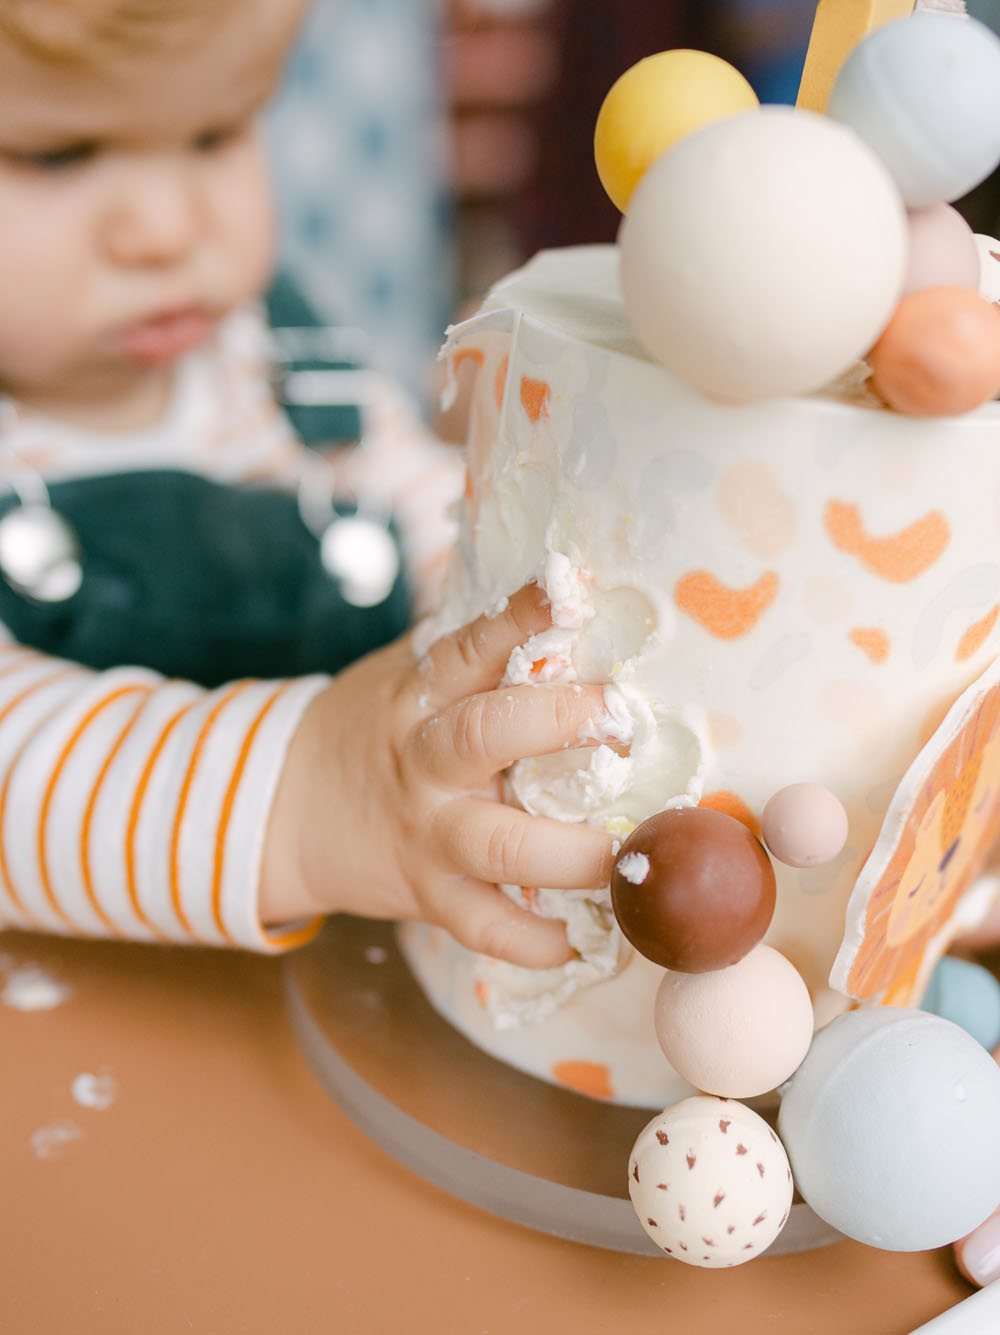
<point>975,635</point>
<point>482,993</point>
<point>722,611</point>
<point>899,557</point>
<point>723,729</point>
<point>591,1078</point>
<point>826,600</point>
<point>757,507</point>
<point>500,381</point>
<point>871,641</point>
<point>535,395</point>
<point>732,805</point>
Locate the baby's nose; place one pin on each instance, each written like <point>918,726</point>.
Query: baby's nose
<point>155,217</point>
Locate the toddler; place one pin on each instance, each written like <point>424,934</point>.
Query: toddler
<point>176,762</point>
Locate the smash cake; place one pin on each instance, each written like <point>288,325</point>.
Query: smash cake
<point>751,456</point>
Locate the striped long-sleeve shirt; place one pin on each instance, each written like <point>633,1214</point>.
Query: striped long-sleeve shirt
<point>136,806</point>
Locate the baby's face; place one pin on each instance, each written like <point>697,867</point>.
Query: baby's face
<point>134,206</point>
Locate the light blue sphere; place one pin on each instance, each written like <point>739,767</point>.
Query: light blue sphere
<point>924,93</point>
<point>890,1125</point>
<point>968,995</point>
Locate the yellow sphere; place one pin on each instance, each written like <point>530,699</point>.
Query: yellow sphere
<point>656,103</point>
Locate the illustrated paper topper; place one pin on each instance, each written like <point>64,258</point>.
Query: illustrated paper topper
<point>938,829</point>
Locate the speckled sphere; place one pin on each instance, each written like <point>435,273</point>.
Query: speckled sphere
<point>891,1127</point>
<point>710,1182</point>
<point>939,356</point>
<point>924,93</point>
<point>739,1031</point>
<point>693,890</point>
<point>804,825</point>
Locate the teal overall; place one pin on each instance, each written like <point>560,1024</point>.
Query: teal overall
<point>200,580</point>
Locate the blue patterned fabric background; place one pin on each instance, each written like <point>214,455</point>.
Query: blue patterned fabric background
<point>357,150</point>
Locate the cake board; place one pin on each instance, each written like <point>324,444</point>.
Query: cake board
<point>538,1155</point>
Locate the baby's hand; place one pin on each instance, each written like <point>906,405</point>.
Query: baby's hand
<point>387,806</point>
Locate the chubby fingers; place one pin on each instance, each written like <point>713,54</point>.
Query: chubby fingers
<point>469,742</point>
<point>978,1254</point>
<point>493,842</point>
<point>482,918</point>
<point>473,659</point>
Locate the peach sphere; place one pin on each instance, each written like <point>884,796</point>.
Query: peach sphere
<point>939,355</point>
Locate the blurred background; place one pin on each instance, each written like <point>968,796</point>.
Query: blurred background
<point>423,148</point>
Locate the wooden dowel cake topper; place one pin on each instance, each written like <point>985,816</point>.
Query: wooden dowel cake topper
<point>838,27</point>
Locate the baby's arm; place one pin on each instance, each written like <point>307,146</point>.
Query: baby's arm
<point>134,806</point>
<point>386,806</point>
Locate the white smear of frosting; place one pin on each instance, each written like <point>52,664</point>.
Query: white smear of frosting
<point>376,954</point>
<point>48,1140</point>
<point>30,988</point>
<point>94,1091</point>
<point>634,867</point>
<point>570,785</point>
<point>566,586</point>
<point>516,996</point>
<point>546,657</point>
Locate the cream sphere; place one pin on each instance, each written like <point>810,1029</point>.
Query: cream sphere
<point>739,1031</point>
<point>656,103</point>
<point>763,255</point>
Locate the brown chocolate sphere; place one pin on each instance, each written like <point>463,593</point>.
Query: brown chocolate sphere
<point>693,890</point>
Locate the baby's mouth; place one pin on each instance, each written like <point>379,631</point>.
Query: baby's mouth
<point>166,336</point>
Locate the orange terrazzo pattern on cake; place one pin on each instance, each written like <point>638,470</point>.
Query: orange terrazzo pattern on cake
<point>535,397</point>
<point>724,612</point>
<point>976,635</point>
<point>898,557</point>
<point>731,804</point>
<point>500,381</point>
<point>591,1078</point>
<point>474,355</point>
<point>871,641</point>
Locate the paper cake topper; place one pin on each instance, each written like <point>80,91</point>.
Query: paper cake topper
<point>940,824</point>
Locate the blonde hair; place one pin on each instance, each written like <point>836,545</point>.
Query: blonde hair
<point>87,32</point>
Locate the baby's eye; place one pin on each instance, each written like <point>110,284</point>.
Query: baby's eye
<point>212,140</point>
<point>56,159</point>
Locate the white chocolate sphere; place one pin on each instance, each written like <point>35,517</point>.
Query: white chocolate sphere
<point>738,1031</point>
<point>924,92</point>
<point>763,255</point>
<point>710,1182</point>
<point>891,1127</point>
<point>804,825</point>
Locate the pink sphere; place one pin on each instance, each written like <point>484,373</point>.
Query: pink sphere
<point>942,250</point>
<point>804,825</point>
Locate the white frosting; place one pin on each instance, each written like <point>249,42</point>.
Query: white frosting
<point>774,593</point>
<point>634,867</point>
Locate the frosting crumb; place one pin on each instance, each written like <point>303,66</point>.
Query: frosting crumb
<point>634,867</point>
